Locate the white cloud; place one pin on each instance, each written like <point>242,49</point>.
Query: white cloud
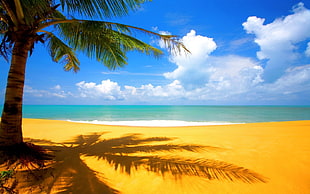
<point>278,39</point>
<point>294,80</point>
<point>107,90</point>
<point>291,87</point>
<point>34,92</point>
<point>57,87</point>
<point>234,74</point>
<point>200,69</point>
<point>44,93</point>
<point>199,46</point>
<point>149,92</point>
<point>191,68</point>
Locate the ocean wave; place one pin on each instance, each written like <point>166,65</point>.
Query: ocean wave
<point>156,123</point>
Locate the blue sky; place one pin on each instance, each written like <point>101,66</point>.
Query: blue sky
<point>243,52</point>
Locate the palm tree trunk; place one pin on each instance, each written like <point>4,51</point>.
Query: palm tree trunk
<point>11,120</point>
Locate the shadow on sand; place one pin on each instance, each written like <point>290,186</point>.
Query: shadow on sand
<point>67,173</point>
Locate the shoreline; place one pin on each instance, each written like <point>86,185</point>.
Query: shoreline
<point>156,123</point>
<point>162,123</point>
<point>278,151</point>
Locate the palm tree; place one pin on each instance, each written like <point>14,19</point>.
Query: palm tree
<point>23,23</point>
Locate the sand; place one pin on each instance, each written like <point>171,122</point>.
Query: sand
<point>109,159</point>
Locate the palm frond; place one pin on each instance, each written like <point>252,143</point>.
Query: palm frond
<point>19,11</point>
<point>5,48</point>
<point>171,42</point>
<point>9,9</point>
<point>109,42</point>
<point>59,51</point>
<point>26,12</point>
<point>3,15</point>
<point>5,45</point>
<point>3,23</point>
<point>3,28</point>
<point>93,39</point>
<point>37,10</point>
<point>98,40</point>
<point>101,8</point>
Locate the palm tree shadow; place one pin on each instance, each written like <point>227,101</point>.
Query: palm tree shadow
<point>69,173</point>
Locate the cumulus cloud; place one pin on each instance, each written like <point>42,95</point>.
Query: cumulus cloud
<point>291,87</point>
<point>278,40</point>
<point>234,73</point>
<point>107,90</point>
<point>200,69</point>
<point>172,90</point>
<point>295,79</point>
<point>191,68</point>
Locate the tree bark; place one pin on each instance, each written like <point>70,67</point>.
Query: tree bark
<point>11,120</point>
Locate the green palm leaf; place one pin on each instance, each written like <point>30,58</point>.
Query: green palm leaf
<point>101,8</point>
<point>105,42</point>
<point>59,51</point>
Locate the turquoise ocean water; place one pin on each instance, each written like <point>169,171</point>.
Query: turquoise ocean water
<point>166,115</point>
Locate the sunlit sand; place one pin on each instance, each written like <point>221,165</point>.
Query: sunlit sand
<point>252,158</point>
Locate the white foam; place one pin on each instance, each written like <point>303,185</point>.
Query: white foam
<point>155,123</point>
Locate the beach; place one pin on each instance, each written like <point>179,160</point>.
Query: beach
<point>273,157</point>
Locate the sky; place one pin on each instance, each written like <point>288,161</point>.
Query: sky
<point>243,52</point>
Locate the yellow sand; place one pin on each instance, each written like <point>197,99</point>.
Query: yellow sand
<point>279,151</point>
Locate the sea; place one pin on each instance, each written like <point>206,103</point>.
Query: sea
<point>149,115</point>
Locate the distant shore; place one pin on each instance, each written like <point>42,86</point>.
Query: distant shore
<point>277,151</point>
